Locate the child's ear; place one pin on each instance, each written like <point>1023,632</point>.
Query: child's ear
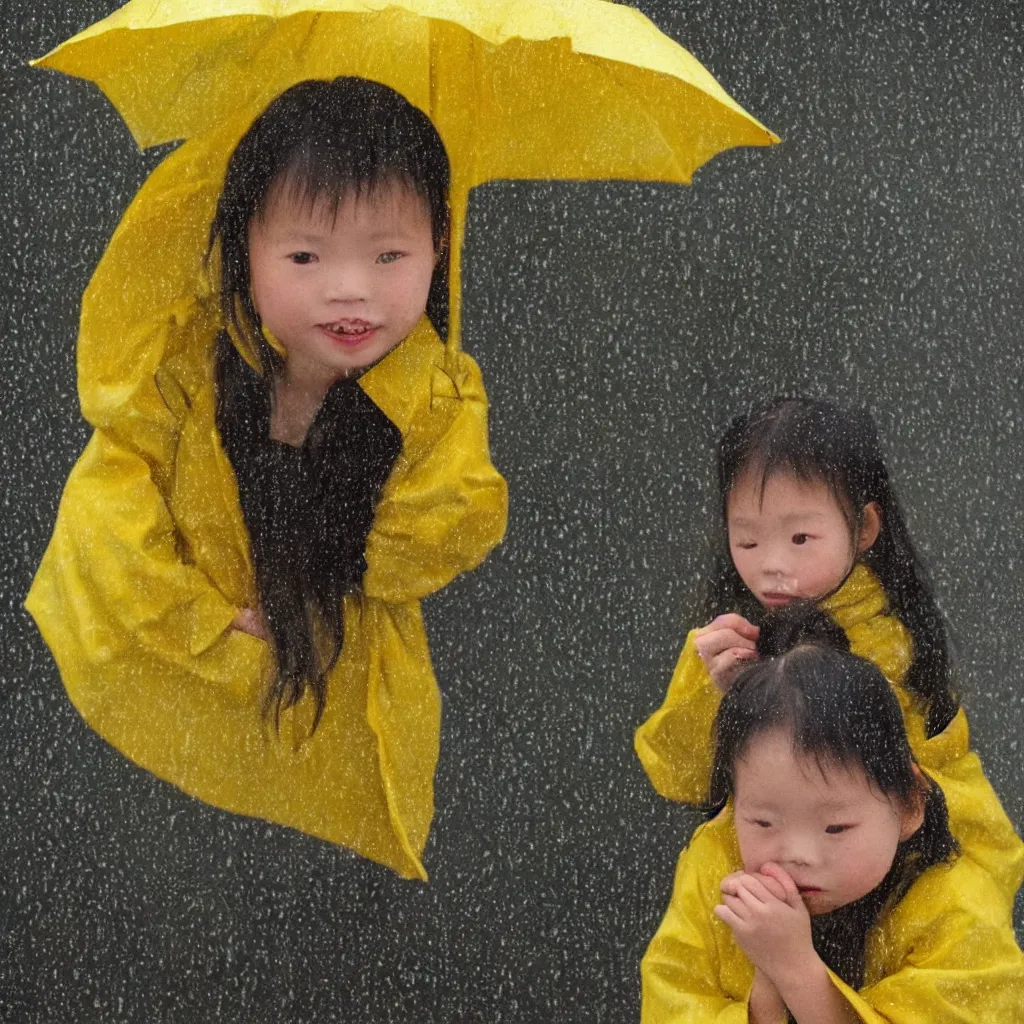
<point>912,813</point>
<point>870,526</point>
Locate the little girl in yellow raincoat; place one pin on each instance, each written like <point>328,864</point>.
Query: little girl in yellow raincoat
<point>286,459</point>
<point>829,887</point>
<point>808,513</point>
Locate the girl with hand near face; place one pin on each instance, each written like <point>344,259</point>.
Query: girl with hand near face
<point>828,888</point>
<point>808,514</point>
<point>286,459</point>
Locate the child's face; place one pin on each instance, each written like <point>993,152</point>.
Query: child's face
<point>339,292</point>
<point>825,825</point>
<point>791,541</point>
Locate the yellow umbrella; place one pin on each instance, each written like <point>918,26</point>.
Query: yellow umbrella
<point>577,89</point>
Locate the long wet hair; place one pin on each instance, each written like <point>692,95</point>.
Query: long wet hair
<point>841,713</point>
<point>309,510</point>
<point>817,441</point>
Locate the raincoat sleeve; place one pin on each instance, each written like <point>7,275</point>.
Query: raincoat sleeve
<point>976,815</point>
<point>977,818</point>
<point>675,744</point>
<point>444,507</point>
<point>117,579</point>
<point>685,973</point>
<point>946,955</point>
<point>114,560</point>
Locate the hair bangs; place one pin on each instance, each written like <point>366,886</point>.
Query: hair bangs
<point>317,182</point>
<point>797,442</point>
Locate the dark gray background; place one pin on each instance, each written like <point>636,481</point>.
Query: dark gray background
<point>873,256</point>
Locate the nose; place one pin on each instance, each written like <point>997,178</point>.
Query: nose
<point>775,563</point>
<point>796,849</point>
<point>348,284</point>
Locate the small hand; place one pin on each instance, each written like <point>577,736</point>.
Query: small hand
<point>251,621</point>
<point>765,1005</point>
<point>727,645</point>
<point>768,920</point>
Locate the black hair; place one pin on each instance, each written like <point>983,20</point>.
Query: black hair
<point>815,440</point>
<point>309,510</point>
<point>840,711</point>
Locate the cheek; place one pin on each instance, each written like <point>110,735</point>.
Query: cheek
<point>277,297</point>
<point>746,564</point>
<point>261,285</point>
<point>754,847</point>
<point>407,286</point>
<point>740,558</point>
<point>420,280</point>
<point>867,864</point>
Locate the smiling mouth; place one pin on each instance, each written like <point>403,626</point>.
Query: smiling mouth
<point>348,328</point>
<point>807,889</point>
<point>350,334</point>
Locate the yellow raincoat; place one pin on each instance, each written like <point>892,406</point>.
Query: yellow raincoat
<point>945,954</point>
<point>150,561</point>
<point>676,748</point>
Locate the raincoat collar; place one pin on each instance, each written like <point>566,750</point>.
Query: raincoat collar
<point>395,383</point>
<point>859,599</point>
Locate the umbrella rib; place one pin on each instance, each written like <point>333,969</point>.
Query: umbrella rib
<point>605,68</point>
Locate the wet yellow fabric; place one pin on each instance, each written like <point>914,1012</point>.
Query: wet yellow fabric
<point>676,749</point>
<point>576,89</point>
<point>176,68</point>
<point>150,560</point>
<point>945,954</point>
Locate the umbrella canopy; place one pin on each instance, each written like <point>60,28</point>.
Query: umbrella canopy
<point>577,89</point>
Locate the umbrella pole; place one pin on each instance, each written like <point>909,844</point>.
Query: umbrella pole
<point>459,199</point>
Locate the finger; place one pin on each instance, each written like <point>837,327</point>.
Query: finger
<point>732,899</point>
<point>741,654</point>
<point>719,657</point>
<point>755,897</point>
<point>722,640</point>
<point>724,669</point>
<point>728,884</point>
<point>735,622</point>
<point>753,885</point>
<point>727,916</point>
<point>728,663</point>
<point>792,893</point>
<point>774,886</point>
<point>737,908</point>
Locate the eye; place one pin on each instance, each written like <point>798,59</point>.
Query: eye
<point>800,538</point>
<point>834,830</point>
<point>745,545</point>
<point>761,822</point>
<point>302,258</point>
<point>390,257</point>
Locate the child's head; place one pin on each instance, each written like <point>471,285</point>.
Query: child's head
<point>332,225</point>
<point>811,747</point>
<point>805,495</point>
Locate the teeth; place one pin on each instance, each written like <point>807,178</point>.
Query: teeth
<point>341,329</point>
